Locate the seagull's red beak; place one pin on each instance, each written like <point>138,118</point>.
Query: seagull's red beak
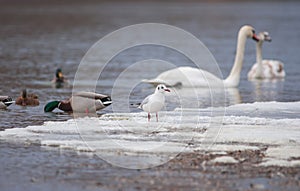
<point>167,90</point>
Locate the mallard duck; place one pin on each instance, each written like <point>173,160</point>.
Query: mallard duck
<point>80,102</point>
<point>5,101</point>
<point>59,79</point>
<point>27,100</point>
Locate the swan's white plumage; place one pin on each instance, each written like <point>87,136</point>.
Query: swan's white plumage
<point>270,69</point>
<point>187,77</point>
<point>194,77</point>
<point>265,69</point>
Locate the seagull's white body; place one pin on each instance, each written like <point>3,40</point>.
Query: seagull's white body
<point>154,102</point>
<point>265,69</point>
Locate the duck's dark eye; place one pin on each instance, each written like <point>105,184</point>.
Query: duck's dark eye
<point>253,31</point>
<point>162,87</point>
<point>158,88</point>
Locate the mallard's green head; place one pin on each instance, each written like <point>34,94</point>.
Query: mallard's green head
<point>51,106</point>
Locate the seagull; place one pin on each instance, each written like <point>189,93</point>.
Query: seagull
<point>154,102</point>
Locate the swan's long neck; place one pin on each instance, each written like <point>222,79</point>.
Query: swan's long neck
<point>259,71</point>
<point>234,77</point>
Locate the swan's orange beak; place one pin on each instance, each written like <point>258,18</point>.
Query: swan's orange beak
<point>254,37</point>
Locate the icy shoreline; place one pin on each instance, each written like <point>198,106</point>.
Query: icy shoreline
<point>128,140</point>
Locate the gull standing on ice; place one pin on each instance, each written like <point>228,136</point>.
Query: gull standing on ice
<point>154,102</point>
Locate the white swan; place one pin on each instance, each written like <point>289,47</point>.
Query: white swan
<point>194,77</point>
<point>265,69</point>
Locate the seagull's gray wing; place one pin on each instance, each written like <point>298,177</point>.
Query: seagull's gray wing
<point>145,101</point>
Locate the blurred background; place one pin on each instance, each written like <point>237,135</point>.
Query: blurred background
<point>37,37</point>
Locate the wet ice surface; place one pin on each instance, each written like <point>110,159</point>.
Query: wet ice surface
<point>128,140</point>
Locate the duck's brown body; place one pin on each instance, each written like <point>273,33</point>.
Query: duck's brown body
<point>27,100</point>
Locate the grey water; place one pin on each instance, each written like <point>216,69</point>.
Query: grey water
<point>38,37</point>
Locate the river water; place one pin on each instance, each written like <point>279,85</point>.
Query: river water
<point>37,37</point>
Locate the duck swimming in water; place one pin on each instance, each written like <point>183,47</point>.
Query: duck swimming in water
<point>27,99</point>
<point>82,102</point>
<point>59,79</point>
<point>5,101</point>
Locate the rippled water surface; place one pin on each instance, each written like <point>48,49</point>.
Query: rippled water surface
<point>38,37</point>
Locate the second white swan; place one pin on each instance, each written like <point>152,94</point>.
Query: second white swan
<point>195,77</point>
<point>265,69</point>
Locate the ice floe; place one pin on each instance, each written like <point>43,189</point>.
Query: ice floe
<point>224,159</point>
<point>128,140</point>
